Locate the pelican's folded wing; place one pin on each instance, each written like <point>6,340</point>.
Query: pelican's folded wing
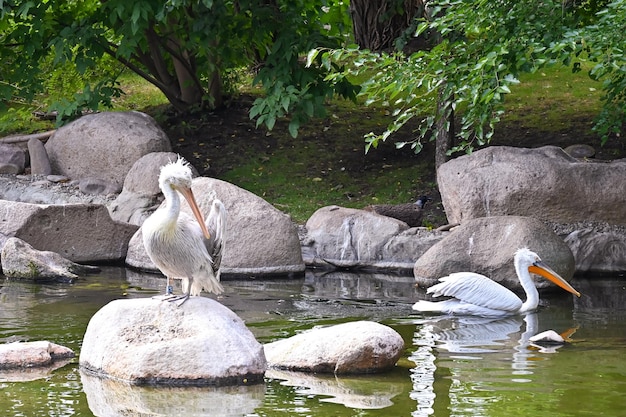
<point>478,290</point>
<point>216,224</point>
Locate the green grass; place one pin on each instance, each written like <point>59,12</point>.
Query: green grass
<point>18,118</point>
<point>550,98</point>
<point>297,181</point>
<point>138,94</point>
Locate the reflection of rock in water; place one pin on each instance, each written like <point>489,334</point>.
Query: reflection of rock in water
<point>599,295</point>
<point>113,398</point>
<point>349,294</point>
<point>360,286</point>
<point>353,392</point>
<point>32,374</point>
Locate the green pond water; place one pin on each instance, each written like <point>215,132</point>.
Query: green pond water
<point>451,366</point>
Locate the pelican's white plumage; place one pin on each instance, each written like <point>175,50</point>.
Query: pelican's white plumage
<point>475,294</point>
<point>179,245</point>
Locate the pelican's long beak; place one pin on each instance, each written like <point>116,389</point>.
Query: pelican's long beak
<point>545,271</point>
<point>188,194</point>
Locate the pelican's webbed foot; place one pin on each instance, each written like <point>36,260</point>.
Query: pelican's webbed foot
<point>178,299</point>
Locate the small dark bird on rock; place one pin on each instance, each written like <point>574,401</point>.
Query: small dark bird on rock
<point>410,213</point>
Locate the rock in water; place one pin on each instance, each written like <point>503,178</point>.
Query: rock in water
<point>32,354</point>
<point>148,341</point>
<point>20,260</point>
<point>351,348</point>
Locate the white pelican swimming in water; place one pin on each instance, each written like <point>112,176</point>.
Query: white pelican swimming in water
<point>179,245</point>
<point>477,295</point>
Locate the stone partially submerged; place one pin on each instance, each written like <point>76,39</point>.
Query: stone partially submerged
<point>359,347</point>
<point>32,354</point>
<point>21,260</point>
<point>154,342</point>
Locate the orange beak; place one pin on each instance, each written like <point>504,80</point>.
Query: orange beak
<point>545,271</point>
<point>188,194</point>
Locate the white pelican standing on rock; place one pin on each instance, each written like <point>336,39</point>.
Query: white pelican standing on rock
<point>180,246</point>
<point>476,295</point>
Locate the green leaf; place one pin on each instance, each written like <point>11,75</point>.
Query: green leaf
<point>310,57</point>
<point>270,121</point>
<point>294,125</point>
<point>503,89</point>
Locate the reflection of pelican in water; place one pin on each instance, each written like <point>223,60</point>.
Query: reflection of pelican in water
<point>475,294</point>
<point>479,334</point>
<point>549,341</point>
<point>455,350</point>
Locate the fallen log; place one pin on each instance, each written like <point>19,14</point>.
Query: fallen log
<point>25,138</point>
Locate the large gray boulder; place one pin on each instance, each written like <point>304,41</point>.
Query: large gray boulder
<point>352,238</point>
<point>545,183</point>
<point>260,239</point>
<point>78,232</point>
<point>487,245</point>
<point>149,341</point>
<point>104,145</point>
<point>141,195</point>
<point>350,348</point>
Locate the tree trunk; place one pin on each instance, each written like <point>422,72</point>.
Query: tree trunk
<point>378,23</point>
<point>444,124</point>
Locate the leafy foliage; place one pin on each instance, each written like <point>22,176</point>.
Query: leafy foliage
<point>604,43</point>
<point>290,87</point>
<point>479,50</point>
<point>183,47</point>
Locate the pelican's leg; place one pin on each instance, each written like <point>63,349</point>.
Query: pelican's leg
<point>169,293</point>
<point>168,288</point>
